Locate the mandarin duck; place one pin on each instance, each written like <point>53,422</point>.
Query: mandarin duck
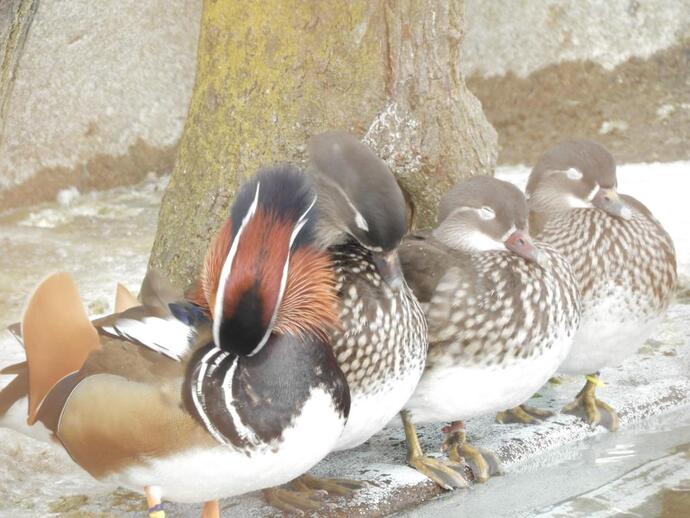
<point>189,403</point>
<point>381,341</point>
<point>623,259</point>
<point>502,312</point>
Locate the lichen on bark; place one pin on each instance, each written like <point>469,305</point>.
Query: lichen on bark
<point>271,74</point>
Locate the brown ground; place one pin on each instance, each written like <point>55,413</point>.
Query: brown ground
<point>648,101</point>
<point>100,172</point>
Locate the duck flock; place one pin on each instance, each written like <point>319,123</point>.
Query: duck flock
<point>318,317</point>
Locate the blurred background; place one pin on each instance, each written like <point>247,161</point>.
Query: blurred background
<point>95,94</point>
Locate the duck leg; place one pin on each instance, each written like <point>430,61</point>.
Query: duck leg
<point>332,486</point>
<point>483,463</point>
<point>447,474</point>
<point>294,501</point>
<point>211,510</point>
<point>524,414</point>
<point>307,493</point>
<point>592,410</point>
<point>153,501</point>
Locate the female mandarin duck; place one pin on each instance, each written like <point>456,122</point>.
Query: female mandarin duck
<point>381,342</point>
<point>502,313</point>
<point>623,259</point>
<point>189,409</point>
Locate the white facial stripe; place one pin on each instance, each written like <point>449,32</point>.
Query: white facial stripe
<point>592,194</point>
<point>509,233</point>
<point>283,280</point>
<point>481,242</point>
<point>301,222</point>
<point>360,221</point>
<point>227,267</point>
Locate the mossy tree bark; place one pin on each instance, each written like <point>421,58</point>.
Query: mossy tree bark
<point>271,74</point>
<point>15,19</point>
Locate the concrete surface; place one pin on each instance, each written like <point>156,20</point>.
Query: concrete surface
<point>100,95</point>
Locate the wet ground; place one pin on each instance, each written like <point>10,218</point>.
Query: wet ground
<point>559,468</point>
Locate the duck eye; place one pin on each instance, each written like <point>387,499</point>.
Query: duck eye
<point>487,213</point>
<point>573,174</point>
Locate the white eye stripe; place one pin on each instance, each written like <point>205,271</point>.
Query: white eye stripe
<point>509,233</point>
<point>486,213</point>
<point>227,267</point>
<point>573,174</point>
<point>593,193</point>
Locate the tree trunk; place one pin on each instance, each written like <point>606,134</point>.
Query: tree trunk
<point>15,19</point>
<point>271,74</point>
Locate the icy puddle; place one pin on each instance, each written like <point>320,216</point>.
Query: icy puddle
<point>557,469</point>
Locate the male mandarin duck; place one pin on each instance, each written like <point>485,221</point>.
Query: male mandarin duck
<point>381,342</point>
<point>190,409</point>
<point>622,257</point>
<point>502,312</point>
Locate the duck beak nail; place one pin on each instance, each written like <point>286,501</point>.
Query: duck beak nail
<point>388,265</point>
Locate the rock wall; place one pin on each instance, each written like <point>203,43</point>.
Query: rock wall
<point>522,36</point>
<point>616,72</point>
<point>98,96</point>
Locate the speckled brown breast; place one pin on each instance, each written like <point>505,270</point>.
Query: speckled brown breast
<point>383,335</point>
<point>491,308</point>
<point>608,252</point>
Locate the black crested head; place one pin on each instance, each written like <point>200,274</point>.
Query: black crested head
<point>273,216</point>
<point>285,192</point>
<point>358,194</point>
<point>245,327</point>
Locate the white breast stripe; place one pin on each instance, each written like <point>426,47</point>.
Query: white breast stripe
<point>167,336</point>
<point>242,430</point>
<point>227,266</point>
<point>197,395</point>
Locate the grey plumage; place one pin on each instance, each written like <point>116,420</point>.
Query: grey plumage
<point>358,194</point>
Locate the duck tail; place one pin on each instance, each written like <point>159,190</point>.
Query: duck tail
<point>58,336</point>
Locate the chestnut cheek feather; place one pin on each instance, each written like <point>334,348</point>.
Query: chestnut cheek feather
<point>205,293</point>
<point>310,302</point>
<point>258,264</point>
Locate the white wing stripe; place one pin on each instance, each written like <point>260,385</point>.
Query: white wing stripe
<point>167,336</point>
